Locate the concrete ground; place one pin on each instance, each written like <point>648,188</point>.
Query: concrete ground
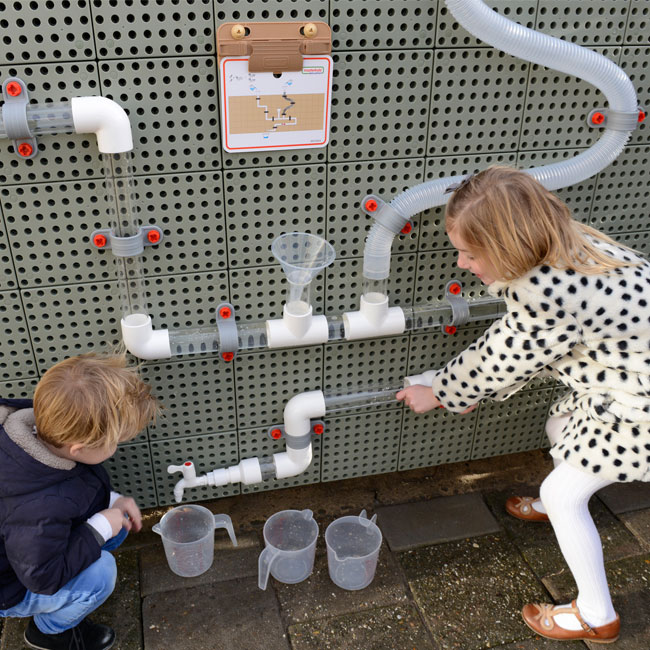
<point>454,570</point>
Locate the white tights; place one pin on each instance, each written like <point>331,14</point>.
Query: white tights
<point>565,494</point>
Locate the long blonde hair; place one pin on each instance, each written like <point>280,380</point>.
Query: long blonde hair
<point>92,399</point>
<point>511,220</point>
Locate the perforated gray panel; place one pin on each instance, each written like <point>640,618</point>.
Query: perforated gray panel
<point>484,113</point>
<point>18,389</point>
<point>557,107</point>
<point>349,183</point>
<point>172,104</point>
<point>61,157</point>
<point>198,396</point>
<point>206,452</point>
<point>264,204</point>
<point>638,21</point>
<point>597,22</point>
<point>435,438</point>
<point>131,473</point>
<point>512,426</point>
<point>635,62</point>
<point>639,241</point>
<point>361,444</point>
<point>375,25</point>
<point>7,274</point>
<point>256,443</point>
<point>153,29</point>
<point>16,357</point>
<point>379,105</point>
<point>40,31</point>
<point>435,270</point>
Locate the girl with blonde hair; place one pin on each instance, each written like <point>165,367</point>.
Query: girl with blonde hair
<point>577,311</point>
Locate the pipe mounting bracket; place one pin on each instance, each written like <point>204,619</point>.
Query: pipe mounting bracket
<point>459,306</point>
<point>606,118</point>
<point>227,328</point>
<point>126,246</point>
<point>383,213</point>
<point>14,116</point>
<point>276,432</point>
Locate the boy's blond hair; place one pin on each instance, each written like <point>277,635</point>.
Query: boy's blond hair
<point>508,218</point>
<point>94,400</point>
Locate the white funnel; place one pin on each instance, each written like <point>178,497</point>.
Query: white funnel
<point>302,257</point>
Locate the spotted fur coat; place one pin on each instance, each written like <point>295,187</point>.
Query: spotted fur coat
<point>590,332</point>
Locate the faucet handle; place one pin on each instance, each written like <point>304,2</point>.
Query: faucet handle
<point>188,469</point>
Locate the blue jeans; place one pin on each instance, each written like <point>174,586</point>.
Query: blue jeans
<point>66,608</point>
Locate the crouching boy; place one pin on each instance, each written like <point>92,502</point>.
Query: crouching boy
<point>58,515</point>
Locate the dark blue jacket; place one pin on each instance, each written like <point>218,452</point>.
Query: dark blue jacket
<point>44,541</point>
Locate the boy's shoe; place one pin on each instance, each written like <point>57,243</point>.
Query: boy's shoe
<point>522,508</point>
<point>539,618</point>
<point>86,635</point>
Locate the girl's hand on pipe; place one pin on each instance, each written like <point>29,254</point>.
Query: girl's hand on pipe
<point>419,399</point>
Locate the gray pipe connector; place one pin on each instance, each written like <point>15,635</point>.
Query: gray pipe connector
<point>14,116</point>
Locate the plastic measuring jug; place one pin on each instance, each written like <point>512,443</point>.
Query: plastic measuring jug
<point>290,538</point>
<point>188,538</point>
<point>352,549</point>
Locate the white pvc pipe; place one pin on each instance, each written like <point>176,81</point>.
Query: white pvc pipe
<point>106,119</point>
<point>142,341</point>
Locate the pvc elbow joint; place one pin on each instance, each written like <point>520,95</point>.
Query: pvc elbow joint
<point>106,119</point>
<point>300,410</point>
<point>142,341</point>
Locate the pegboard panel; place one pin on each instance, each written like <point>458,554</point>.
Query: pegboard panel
<point>270,10</point>
<point>639,241</point>
<point>430,224</point>
<point>435,438</point>
<point>49,227</point>
<point>131,472</point>
<point>189,208</point>
<point>69,320</point>
<point>39,31</point>
<point>349,183</point>
<point>557,106</point>
<point>435,270</point>
<point>8,278</point>
<point>18,389</point>
<point>635,61</point>
<point>16,357</point>
<point>198,396</point>
<point>266,381</point>
<point>450,34</point>
<point>483,114</point>
<point>379,104</point>
<point>173,107</point>
<point>578,197</point>
<point>638,23</point>
<point>511,426</point>
<point>621,200</point>
<point>259,293</point>
<point>376,25</point>
<point>344,284</point>
<point>257,443</point>
<point>145,29</point>
<point>358,366</point>
<point>265,203</point>
<point>597,22</point>
<point>61,156</point>
<point>360,445</point>
<point>206,452</point>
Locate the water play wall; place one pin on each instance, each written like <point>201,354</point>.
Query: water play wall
<point>415,97</point>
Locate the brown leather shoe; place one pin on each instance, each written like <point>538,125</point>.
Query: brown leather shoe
<point>539,618</point>
<point>522,508</point>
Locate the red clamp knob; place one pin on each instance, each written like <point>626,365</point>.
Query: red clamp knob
<point>450,329</point>
<point>153,236</point>
<point>597,118</point>
<point>455,289</point>
<point>276,434</point>
<point>25,149</point>
<point>318,429</point>
<point>14,89</point>
<point>225,312</point>
<point>228,356</point>
<point>641,116</point>
<point>408,226</point>
<point>100,241</point>
<point>371,205</point>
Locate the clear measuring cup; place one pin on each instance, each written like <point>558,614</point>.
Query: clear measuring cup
<point>290,538</point>
<point>353,545</point>
<point>188,538</point>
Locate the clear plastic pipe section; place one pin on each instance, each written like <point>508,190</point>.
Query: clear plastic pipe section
<point>45,119</point>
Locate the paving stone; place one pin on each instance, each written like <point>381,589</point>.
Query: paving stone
<point>229,563</point>
<point>537,541</point>
<point>539,643</point>
<point>122,610</point>
<point>471,592</point>
<point>629,583</point>
<point>435,521</point>
<point>639,523</point>
<point>12,633</point>
<point>318,596</point>
<point>233,615</point>
<point>398,627</point>
<point>626,497</point>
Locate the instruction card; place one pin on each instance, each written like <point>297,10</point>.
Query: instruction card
<point>262,111</point>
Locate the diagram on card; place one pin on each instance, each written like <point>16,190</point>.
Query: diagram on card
<point>265,111</point>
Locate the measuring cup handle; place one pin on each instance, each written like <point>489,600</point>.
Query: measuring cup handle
<point>224,521</point>
<point>267,557</point>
